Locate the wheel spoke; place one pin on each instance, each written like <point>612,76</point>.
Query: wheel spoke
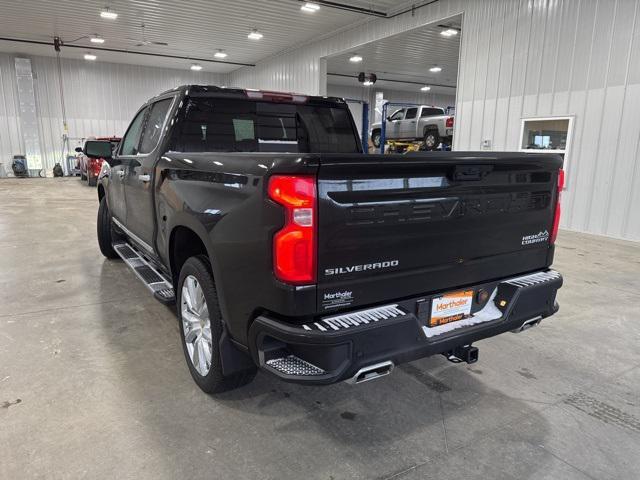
<point>191,285</point>
<point>202,359</point>
<point>202,304</point>
<point>206,333</point>
<point>195,354</point>
<point>204,310</point>
<point>192,335</point>
<point>186,295</point>
<point>191,318</point>
<point>206,350</point>
<point>193,293</point>
<point>189,349</point>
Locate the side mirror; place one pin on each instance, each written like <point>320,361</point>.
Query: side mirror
<point>389,118</point>
<point>98,149</point>
<point>78,149</point>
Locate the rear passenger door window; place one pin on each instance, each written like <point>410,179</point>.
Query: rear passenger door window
<point>155,123</point>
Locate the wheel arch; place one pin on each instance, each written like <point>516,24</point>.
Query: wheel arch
<point>188,239</point>
<point>184,243</point>
<point>430,127</point>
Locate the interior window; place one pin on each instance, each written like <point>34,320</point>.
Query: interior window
<point>548,134</point>
<point>411,113</point>
<point>153,128</point>
<point>132,137</point>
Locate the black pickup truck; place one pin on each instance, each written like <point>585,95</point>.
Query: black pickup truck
<point>287,249</point>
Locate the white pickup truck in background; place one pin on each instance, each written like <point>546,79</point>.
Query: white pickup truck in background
<point>423,122</point>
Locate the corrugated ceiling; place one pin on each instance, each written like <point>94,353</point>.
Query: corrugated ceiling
<point>195,28</point>
<point>405,57</point>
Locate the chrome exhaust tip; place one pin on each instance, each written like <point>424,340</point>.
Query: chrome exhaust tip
<point>527,324</point>
<point>371,372</point>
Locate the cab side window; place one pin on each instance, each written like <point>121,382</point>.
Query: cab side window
<point>431,112</point>
<point>132,137</point>
<point>153,127</point>
<point>397,116</point>
<point>411,113</point>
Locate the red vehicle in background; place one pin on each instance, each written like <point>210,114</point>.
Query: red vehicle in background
<point>90,167</point>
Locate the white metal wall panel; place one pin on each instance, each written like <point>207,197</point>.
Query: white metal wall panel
<point>100,98</point>
<point>524,58</point>
<point>10,134</point>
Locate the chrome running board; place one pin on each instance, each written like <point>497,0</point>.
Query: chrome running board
<point>154,280</point>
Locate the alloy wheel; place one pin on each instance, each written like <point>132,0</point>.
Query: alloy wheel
<point>196,325</point>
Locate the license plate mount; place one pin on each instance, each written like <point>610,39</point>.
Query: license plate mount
<point>451,307</point>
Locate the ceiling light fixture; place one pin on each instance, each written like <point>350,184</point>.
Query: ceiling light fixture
<point>355,58</point>
<point>310,7</point>
<point>97,39</point>
<point>89,56</point>
<point>255,35</point>
<point>449,32</point>
<point>426,88</point>
<point>108,14</point>
<point>196,67</point>
<point>435,69</point>
<point>220,54</point>
<point>367,83</point>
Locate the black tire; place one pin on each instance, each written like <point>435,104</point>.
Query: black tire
<point>431,140</point>
<point>214,381</point>
<point>105,230</point>
<point>375,138</point>
<point>93,181</point>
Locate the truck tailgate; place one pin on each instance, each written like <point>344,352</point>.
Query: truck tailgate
<point>391,226</point>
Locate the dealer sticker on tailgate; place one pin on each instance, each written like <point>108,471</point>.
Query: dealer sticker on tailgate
<point>451,307</point>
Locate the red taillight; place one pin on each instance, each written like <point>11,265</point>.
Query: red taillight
<point>449,122</point>
<point>95,164</point>
<point>556,215</point>
<point>294,246</point>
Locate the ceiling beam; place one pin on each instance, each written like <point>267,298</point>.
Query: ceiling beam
<point>395,81</point>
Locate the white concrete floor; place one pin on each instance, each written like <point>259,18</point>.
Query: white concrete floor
<point>93,383</point>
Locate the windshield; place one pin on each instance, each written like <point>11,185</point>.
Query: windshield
<point>236,125</point>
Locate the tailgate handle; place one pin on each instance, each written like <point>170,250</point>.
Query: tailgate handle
<point>464,173</point>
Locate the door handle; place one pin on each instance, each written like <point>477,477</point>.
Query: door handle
<point>144,178</point>
<point>413,121</point>
<point>121,173</point>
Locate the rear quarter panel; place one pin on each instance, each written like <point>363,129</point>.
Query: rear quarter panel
<point>221,197</point>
